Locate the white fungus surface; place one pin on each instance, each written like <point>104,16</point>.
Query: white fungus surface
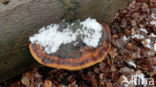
<point>50,38</point>
<point>92,31</point>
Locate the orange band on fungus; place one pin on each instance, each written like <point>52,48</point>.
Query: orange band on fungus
<point>87,59</point>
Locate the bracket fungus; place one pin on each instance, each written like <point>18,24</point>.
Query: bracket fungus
<point>71,46</point>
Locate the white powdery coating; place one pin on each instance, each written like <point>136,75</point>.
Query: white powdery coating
<point>148,43</point>
<point>92,32</point>
<point>143,30</point>
<point>138,36</point>
<point>132,63</point>
<point>51,39</point>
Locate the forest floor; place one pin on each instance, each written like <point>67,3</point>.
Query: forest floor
<point>130,62</point>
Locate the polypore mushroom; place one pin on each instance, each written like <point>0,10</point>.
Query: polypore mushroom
<point>71,46</point>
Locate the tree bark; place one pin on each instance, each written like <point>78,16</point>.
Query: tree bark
<point>19,19</point>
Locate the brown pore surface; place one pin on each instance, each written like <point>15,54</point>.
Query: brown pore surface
<point>89,57</point>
